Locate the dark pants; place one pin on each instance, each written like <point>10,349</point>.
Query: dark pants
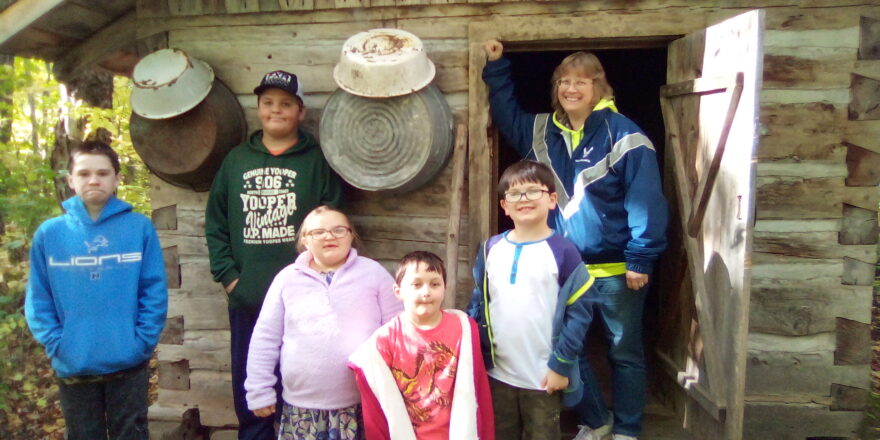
<point>525,414</point>
<point>112,409</point>
<point>250,427</point>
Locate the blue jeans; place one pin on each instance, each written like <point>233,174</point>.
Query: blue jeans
<point>621,311</point>
<point>113,409</point>
<point>250,427</point>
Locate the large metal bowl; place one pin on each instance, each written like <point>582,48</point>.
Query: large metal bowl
<point>168,83</point>
<point>382,63</point>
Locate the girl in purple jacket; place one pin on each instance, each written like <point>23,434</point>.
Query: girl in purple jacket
<point>316,312</point>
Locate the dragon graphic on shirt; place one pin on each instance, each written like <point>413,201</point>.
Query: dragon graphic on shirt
<point>420,389</point>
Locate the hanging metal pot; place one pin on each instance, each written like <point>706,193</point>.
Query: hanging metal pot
<point>392,144</point>
<point>187,150</point>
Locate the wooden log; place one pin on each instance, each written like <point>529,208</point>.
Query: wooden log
<point>865,134</point>
<point>811,131</point>
<point>782,420</point>
<point>165,218</point>
<point>845,37</point>
<point>787,365</point>
<point>846,398</point>
<point>173,332</point>
<point>203,349</point>
<point>186,244</point>
<point>172,266</point>
<point>858,273</point>
<point>823,245</point>
<point>865,104</point>
<point>431,200</point>
<point>195,276</point>
<point>858,226</point>
<point>808,68</point>
<point>863,166</point>
<point>792,197</point>
<point>869,41</point>
<point>780,270</point>
<point>165,194</point>
<point>201,310</point>
<point>805,308</point>
<point>853,343</point>
<point>174,375</point>
<point>402,227</point>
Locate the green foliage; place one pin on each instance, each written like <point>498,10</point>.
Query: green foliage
<point>31,105</point>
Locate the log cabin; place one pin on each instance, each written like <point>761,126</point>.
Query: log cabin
<point>763,112</point>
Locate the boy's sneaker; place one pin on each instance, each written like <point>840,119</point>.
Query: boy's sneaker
<point>623,437</point>
<point>601,433</point>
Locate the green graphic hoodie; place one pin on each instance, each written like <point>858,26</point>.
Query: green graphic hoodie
<point>256,204</point>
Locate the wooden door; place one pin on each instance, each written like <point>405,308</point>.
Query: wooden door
<point>710,107</point>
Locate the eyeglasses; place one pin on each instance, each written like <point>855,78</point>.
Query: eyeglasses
<point>578,84</point>
<point>529,194</point>
<point>337,232</point>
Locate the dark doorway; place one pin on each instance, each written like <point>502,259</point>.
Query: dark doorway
<point>636,76</point>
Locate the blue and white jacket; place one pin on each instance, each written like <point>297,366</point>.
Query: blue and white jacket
<point>571,318</point>
<point>611,203</point>
<point>96,295</point>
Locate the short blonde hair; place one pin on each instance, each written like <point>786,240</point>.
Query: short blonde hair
<point>300,247</point>
<point>588,65</point>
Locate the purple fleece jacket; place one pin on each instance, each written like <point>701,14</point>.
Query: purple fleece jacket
<point>313,327</point>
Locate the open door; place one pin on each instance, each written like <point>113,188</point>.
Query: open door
<point>710,110</point>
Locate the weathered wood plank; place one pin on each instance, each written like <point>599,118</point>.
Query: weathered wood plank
<point>808,68</point>
<point>196,277</point>
<point>798,365</point>
<point>792,197</point>
<point>807,169</point>
<point>173,331</point>
<point>242,6</point>
<point>822,245</point>
<point>200,311</point>
<point>863,167</point>
<point>185,245</point>
<point>165,218</point>
<point>865,104</point>
<point>846,398</point>
<point>803,96</point>
<point>173,375</point>
<point>865,134</point>
<point>204,349</point>
<point>847,37</point>
<point>809,225</point>
<point>857,272</point>
<point>166,194</point>
<point>771,270</point>
<point>811,131</point>
<point>429,201</point>
<point>783,420</point>
<point>805,308</point>
<point>402,227</point>
<point>869,41</point>
<point>853,343</point>
<point>858,226</point>
<point>171,257</point>
<point>117,36</point>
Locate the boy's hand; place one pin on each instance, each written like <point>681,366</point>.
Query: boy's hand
<point>635,280</point>
<point>554,381</point>
<point>493,49</point>
<point>265,412</point>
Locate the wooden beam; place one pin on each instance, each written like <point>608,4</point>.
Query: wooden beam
<point>117,36</point>
<point>21,14</point>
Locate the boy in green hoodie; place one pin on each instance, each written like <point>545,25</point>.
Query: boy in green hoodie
<point>259,197</point>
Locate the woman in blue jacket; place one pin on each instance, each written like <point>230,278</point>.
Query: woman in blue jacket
<point>611,206</point>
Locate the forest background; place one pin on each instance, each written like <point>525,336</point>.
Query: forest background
<point>39,117</point>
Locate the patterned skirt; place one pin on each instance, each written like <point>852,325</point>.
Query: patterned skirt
<point>321,424</point>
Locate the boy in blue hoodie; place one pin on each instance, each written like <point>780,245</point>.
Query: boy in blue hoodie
<point>97,300</point>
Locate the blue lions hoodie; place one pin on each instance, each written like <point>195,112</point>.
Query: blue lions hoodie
<point>96,296</point>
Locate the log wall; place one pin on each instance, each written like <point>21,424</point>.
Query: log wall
<point>816,229</point>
